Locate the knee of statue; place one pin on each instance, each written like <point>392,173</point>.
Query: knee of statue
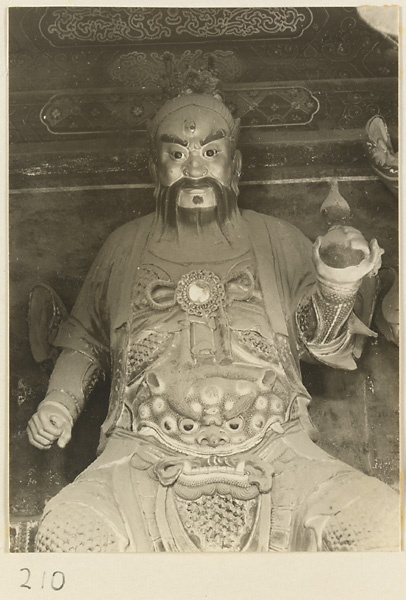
<point>359,514</point>
<point>74,527</point>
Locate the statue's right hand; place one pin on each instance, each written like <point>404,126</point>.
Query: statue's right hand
<point>50,423</point>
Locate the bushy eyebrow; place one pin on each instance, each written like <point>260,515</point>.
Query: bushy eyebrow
<point>171,138</point>
<point>218,135</point>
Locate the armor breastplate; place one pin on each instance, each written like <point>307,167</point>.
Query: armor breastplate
<point>205,374</point>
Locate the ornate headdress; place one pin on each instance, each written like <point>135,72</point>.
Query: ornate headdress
<point>193,87</point>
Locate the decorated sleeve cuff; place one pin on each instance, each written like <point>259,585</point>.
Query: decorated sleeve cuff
<point>72,380</point>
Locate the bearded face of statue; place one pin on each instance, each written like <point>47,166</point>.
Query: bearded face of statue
<point>194,142</point>
<point>196,171</point>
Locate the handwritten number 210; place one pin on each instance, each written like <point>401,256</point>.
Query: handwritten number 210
<point>57,580</point>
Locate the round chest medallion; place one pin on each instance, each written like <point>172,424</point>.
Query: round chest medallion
<point>200,292</point>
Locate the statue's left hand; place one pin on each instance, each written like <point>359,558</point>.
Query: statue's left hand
<point>352,275</point>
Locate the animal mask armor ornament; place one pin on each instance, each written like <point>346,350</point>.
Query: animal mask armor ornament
<point>204,388</point>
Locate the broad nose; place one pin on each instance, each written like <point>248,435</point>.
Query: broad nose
<point>213,436</point>
<point>194,167</point>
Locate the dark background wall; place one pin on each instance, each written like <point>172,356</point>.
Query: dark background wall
<point>84,81</point>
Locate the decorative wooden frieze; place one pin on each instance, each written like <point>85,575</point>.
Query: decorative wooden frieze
<point>105,112</point>
<point>336,45</point>
<point>112,25</point>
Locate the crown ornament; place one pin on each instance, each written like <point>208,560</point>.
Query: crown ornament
<point>191,80</point>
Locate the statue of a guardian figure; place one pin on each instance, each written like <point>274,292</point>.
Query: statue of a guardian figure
<point>200,312</point>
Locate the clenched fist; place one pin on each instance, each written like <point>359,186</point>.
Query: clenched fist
<point>52,422</point>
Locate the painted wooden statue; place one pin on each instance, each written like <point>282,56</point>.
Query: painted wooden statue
<point>200,314</point>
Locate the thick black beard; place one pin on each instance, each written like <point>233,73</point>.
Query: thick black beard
<point>201,234</point>
<point>171,215</point>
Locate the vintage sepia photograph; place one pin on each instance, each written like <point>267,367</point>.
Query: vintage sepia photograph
<point>203,280</point>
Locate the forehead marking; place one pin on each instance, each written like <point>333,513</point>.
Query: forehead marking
<point>189,126</point>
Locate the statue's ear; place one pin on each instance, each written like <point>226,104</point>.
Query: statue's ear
<point>236,130</point>
<point>153,171</point>
<point>237,161</point>
<point>237,164</point>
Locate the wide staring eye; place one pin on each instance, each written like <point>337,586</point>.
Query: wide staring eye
<point>178,155</point>
<point>210,153</point>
